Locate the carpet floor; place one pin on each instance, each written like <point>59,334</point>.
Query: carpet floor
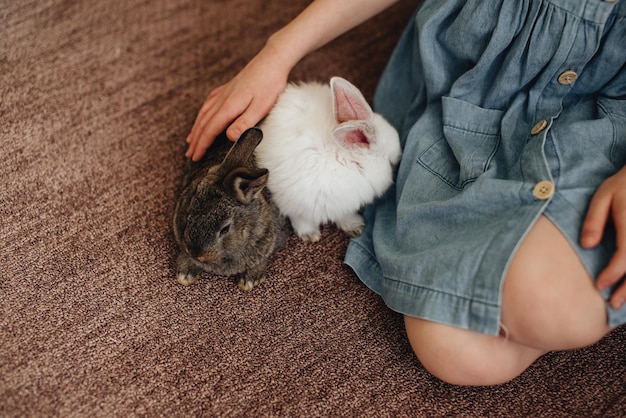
<point>96,99</point>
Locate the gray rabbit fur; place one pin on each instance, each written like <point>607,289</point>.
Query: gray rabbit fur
<point>225,222</point>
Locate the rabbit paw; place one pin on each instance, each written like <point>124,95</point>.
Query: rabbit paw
<point>352,224</point>
<point>311,237</point>
<point>306,231</point>
<point>248,283</point>
<point>187,272</point>
<point>186,278</point>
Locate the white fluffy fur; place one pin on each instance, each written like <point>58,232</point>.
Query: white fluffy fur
<point>312,178</point>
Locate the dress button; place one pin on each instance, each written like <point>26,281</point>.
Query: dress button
<point>568,77</point>
<point>539,127</point>
<point>543,190</point>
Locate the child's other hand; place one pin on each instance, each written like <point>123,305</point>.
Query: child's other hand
<point>609,202</point>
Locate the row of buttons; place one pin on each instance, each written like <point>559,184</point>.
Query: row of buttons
<point>566,78</point>
<point>545,189</point>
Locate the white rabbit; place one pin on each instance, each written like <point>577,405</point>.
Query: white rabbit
<point>328,155</point>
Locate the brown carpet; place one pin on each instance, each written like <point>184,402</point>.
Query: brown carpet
<point>96,98</point>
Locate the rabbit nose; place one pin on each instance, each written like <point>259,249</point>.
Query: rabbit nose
<point>209,257</point>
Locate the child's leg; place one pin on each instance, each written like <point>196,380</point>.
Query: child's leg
<point>549,303</point>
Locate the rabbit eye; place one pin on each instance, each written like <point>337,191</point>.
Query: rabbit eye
<point>224,230</point>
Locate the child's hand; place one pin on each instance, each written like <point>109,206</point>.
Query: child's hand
<point>240,103</point>
<point>609,201</point>
<point>249,97</point>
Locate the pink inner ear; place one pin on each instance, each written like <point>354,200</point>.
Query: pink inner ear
<point>356,137</point>
<point>349,136</point>
<point>349,104</point>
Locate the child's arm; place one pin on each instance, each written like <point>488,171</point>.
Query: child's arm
<point>247,98</point>
<point>609,201</point>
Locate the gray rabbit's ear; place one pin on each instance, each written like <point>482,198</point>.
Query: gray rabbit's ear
<point>246,183</point>
<point>241,151</point>
<point>348,102</point>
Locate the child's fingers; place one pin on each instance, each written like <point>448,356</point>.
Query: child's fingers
<point>596,219</point>
<point>207,107</point>
<point>212,102</point>
<point>205,137</point>
<point>256,111</point>
<point>211,122</point>
<point>616,270</point>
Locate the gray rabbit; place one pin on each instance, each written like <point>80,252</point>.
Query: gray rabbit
<point>224,221</point>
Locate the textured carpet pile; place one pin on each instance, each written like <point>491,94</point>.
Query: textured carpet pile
<point>96,99</point>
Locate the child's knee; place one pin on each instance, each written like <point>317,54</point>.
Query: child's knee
<point>555,327</point>
<point>462,357</point>
<point>548,299</point>
<point>466,372</point>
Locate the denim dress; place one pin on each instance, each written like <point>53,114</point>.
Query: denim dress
<point>507,110</point>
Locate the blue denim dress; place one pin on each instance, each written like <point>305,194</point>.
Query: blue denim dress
<point>507,110</point>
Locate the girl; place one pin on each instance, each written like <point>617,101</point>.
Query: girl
<point>505,235</point>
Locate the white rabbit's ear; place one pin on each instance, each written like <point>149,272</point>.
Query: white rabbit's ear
<point>348,102</point>
<point>353,135</point>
